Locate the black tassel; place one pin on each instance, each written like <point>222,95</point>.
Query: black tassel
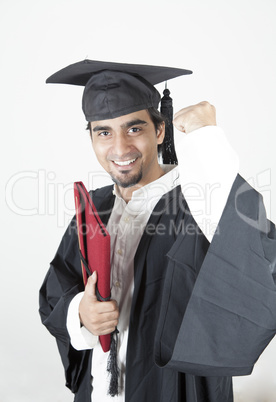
<point>112,365</point>
<point>168,151</point>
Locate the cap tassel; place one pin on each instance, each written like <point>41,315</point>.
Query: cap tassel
<point>112,365</point>
<point>168,151</point>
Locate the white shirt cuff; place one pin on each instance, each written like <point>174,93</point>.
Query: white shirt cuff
<point>208,166</point>
<point>80,337</point>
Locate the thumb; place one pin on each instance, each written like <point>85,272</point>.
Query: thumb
<point>90,288</point>
<point>179,124</point>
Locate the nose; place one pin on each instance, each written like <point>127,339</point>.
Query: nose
<point>121,145</point>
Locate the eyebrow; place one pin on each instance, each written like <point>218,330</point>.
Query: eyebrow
<point>101,128</point>
<point>125,125</point>
<point>134,122</point>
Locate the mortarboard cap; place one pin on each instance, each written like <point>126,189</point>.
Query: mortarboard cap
<point>115,89</point>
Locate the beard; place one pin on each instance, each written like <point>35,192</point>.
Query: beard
<point>127,180</point>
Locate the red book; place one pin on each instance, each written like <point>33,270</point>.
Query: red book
<point>94,245</point>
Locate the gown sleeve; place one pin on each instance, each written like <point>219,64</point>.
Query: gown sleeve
<point>62,282</point>
<point>229,315</point>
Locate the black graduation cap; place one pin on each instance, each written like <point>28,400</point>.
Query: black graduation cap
<point>116,89</point>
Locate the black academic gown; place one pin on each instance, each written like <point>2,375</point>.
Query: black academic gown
<point>200,314</point>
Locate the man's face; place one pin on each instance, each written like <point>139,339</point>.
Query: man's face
<point>126,147</point>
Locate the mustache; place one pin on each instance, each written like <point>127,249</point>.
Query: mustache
<point>127,156</point>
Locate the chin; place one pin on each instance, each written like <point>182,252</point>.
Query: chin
<point>127,181</point>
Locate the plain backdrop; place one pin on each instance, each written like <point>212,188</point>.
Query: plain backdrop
<point>229,45</point>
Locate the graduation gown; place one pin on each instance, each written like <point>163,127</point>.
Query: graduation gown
<point>200,313</point>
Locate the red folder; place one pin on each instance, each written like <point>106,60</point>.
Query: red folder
<point>94,245</point>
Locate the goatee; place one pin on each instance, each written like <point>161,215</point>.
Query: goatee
<point>129,180</point>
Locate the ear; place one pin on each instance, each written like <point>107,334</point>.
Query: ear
<point>160,133</point>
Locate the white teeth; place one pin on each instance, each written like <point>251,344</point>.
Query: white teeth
<point>124,163</point>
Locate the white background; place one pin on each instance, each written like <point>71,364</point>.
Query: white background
<point>230,46</point>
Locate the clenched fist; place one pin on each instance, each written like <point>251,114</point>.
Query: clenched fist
<point>193,117</point>
<point>100,318</point>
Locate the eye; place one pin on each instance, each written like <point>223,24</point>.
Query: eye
<point>134,130</point>
<point>103,133</point>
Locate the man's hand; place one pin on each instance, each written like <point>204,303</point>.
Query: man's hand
<point>100,318</point>
<point>193,117</point>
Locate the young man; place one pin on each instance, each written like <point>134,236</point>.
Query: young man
<point>193,301</point>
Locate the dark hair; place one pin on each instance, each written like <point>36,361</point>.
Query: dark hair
<point>156,117</point>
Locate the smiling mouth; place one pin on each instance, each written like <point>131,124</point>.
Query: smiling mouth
<point>124,163</point>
